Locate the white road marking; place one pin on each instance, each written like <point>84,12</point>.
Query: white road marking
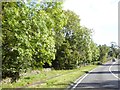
<point>79,80</point>
<point>112,72</point>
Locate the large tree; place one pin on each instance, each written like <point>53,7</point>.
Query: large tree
<point>27,37</point>
<point>104,49</point>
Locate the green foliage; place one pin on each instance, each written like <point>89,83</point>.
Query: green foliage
<point>28,39</point>
<point>43,40</point>
<point>95,52</point>
<point>16,53</point>
<point>76,48</point>
<point>54,10</point>
<point>62,56</point>
<point>36,34</point>
<point>103,52</point>
<point>114,51</point>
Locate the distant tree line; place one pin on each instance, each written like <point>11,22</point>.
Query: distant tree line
<point>42,35</point>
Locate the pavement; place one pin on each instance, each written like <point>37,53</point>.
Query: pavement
<point>104,77</point>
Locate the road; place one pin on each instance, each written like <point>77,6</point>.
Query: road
<point>104,77</point>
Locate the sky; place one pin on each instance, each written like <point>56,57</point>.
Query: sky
<point>99,15</point>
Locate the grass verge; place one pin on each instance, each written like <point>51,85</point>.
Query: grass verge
<point>50,79</point>
<point>64,80</point>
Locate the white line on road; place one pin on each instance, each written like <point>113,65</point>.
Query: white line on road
<point>112,72</point>
<point>79,80</point>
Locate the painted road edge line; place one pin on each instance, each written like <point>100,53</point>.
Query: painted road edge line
<point>112,72</point>
<point>79,80</point>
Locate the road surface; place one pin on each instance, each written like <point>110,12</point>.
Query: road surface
<point>104,77</point>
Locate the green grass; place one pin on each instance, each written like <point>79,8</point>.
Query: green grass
<point>64,80</point>
<point>66,77</point>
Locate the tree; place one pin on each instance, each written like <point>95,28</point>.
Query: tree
<point>103,52</point>
<point>77,42</point>
<point>95,52</point>
<point>27,38</point>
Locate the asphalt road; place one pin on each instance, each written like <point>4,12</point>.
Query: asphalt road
<point>104,77</point>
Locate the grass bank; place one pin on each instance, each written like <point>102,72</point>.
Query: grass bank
<point>50,79</point>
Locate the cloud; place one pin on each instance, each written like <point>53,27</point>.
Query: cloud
<point>99,15</point>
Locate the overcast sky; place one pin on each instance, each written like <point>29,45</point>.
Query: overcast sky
<point>99,15</point>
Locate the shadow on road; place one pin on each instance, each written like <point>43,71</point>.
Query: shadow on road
<point>107,85</point>
<point>103,72</point>
<point>110,64</point>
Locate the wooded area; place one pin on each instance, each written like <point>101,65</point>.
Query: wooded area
<point>44,35</point>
